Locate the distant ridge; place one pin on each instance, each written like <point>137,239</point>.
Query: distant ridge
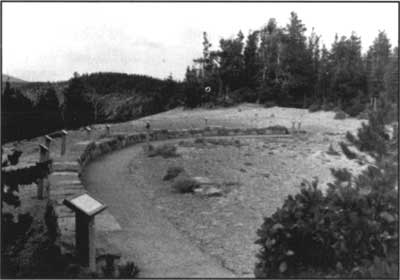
<point>11,79</point>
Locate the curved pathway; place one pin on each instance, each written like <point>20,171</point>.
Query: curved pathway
<point>147,238</point>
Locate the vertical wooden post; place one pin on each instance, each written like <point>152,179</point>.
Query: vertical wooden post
<point>205,122</point>
<point>375,105</point>
<point>85,240</point>
<point>88,132</point>
<point>298,126</point>
<point>293,127</point>
<point>148,136</point>
<point>63,141</point>
<point>108,130</point>
<point>43,156</point>
<point>47,141</point>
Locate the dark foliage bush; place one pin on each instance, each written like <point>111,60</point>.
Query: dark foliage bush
<point>350,231</point>
<point>185,184</point>
<point>355,109</point>
<point>331,151</point>
<point>348,153</point>
<point>340,115</point>
<point>314,107</point>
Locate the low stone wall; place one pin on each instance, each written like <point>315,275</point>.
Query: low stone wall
<point>118,141</point>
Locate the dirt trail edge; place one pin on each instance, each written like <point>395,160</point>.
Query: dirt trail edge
<point>147,238</point>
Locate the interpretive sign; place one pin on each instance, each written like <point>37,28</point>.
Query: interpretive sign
<point>86,204</point>
<point>85,208</point>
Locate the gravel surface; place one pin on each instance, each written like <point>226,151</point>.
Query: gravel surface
<point>258,177</point>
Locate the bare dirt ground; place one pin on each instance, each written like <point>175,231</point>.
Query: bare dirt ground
<point>258,175</point>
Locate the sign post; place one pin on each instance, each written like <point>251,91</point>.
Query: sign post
<point>85,208</point>
<point>293,127</point>
<point>88,132</point>
<point>148,136</point>
<point>47,141</point>
<point>108,130</point>
<point>63,141</point>
<point>43,182</point>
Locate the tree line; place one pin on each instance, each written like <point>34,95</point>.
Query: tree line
<point>274,65</point>
<point>83,100</point>
<point>282,66</point>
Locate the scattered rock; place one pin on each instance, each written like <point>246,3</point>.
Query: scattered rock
<point>185,184</point>
<point>248,163</point>
<point>212,191</point>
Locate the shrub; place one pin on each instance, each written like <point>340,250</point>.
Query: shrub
<point>331,151</point>
<point>333,234</point>
<point>347,152</point>
<point>185,184</point>
<point>340,115</point>
<point>314,107</point>
<point>351,231</point>
<point>128,270</point>
<point>165,150</point>
<point>172,172</point>
<point>327,106</point>
<point>355,109</point>
<point>270,104</point>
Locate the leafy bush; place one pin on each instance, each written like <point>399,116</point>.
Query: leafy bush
<point>327,106</point>
<point>128,270</point>
<point>333,234</point>
<point>351,231</point>
<point>185,184</point>
<point>348,153</point>
<point>355,109</point>
<point>331,151</point>
<point>314,107</point>
<point>340,115</point>
<point>270,104</point>
<point>165,150</point>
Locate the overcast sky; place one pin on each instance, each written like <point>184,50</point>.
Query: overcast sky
<point>50,41</point>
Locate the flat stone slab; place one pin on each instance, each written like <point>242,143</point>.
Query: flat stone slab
<point>68,183</point>
<point>203,180</point>
<point>71,166</point>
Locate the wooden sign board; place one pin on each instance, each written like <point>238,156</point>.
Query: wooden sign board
<point>86,204</point>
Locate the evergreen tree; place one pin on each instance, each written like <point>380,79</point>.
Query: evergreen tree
<point>348,74</point>
<point>377,59</point>
<point>296,63</point>
<point>270,76</point>
<point>251,64</point>
<point>232,62</point>
<point>78,108</point>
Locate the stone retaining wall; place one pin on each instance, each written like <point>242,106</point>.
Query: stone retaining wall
<point>118,141</point>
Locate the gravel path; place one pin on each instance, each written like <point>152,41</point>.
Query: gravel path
<point>147,238</point>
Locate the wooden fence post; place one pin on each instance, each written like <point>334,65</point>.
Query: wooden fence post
<point>108,130</point>
<point>293,127</point>
<point>47,141</point>
<point>88,132</point>
<point>43,182</point>
<point>148,136</point>
<point>63,141</point>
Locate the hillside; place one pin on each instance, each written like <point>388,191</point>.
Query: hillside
<point>11,79</point>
